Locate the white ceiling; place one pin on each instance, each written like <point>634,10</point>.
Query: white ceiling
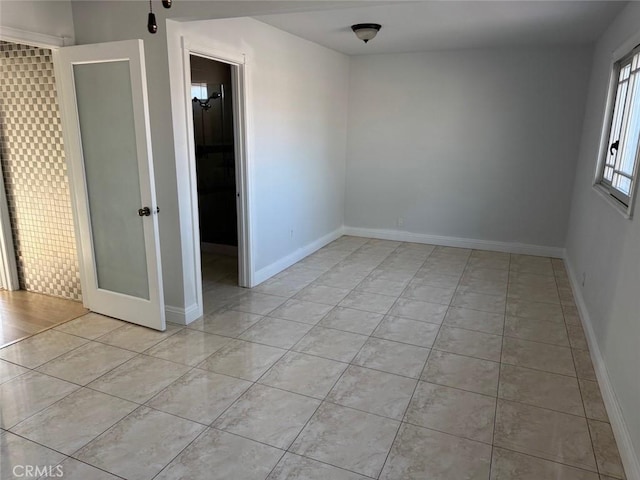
<point>442,25</point>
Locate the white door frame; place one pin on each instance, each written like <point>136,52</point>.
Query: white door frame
<point>239,96</point>
<point>9,268</point>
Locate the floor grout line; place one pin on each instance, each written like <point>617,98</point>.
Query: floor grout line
<point>593,446</point>
<point>495,412</point>
<point>414,388</point>
<point>395,253</point>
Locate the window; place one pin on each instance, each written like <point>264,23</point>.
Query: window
<point>619,165</point>
<point>199,90</point>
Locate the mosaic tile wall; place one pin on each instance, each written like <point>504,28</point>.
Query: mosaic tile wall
<point>35,173</point>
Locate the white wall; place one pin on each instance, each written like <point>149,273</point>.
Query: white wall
<point>606,247</point>
<point>477,144</point>
<point>49,18</point>
<point>298,143</point>
<point>297,105</point>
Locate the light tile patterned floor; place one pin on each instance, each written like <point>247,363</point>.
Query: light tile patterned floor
<point>367,359</point>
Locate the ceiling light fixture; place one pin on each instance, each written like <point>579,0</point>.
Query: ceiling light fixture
<point>366,31</point>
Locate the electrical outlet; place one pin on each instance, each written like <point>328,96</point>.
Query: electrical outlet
<point>400,221</point>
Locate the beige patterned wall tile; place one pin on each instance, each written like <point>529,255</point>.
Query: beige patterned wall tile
<point>35,173</point>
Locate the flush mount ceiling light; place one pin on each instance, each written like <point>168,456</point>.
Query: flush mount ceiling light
<point>366,31</point>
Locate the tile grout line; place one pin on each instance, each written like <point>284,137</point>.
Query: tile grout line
<point>370,336</point>
<point>51,327</point>
<point>386,372</point>
<point>546,459</point>
<point>145,404</point>
<point>384,463</point>
<point>70,456</point>
<point>332,387</point>
<point>201,434</point>
<point>573,360</point>
<point>404,414</point>
<point>138,405</point>
<point>51,359</point>
<point>350,363</point>
<point>253,384</point>
<point>138,354</point>
<point>495,412</point>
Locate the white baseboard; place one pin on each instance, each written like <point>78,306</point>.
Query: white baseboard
<point>279,265</point>
<point>628,454</point>
<point>276,267</point>
<point>182,316</point>
<point>508,247</point>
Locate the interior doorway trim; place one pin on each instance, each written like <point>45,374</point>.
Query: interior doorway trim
<point>238,79</point>
<point>15,35</point>
<point>9,271</point>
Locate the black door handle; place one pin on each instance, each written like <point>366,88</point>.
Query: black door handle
<point>614,146</point>
<point>144,212</point>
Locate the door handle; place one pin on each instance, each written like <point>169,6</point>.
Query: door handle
<point>144,212</point>
<point>614,146</point>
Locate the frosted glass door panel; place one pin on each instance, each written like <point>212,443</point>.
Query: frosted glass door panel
<point>105,111</point>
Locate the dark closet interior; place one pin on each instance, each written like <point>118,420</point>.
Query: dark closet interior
<point>211,93</point>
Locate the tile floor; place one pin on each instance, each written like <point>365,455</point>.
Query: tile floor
<point>367,359</point>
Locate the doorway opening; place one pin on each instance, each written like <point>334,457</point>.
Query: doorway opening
<point>38,254</point>
<point>214,139</point>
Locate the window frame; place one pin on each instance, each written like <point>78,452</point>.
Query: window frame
<point>622,57</point>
